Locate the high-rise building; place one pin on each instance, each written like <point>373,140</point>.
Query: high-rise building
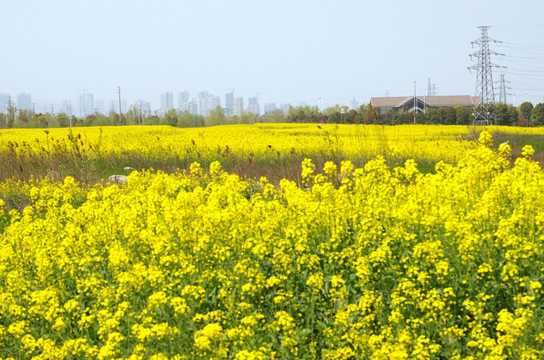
<point>4,103</point>
<point>167,101</point>
<point>253,106</point>
<point>86,104</point>
<point>204,97</point>
<point>193,106</point>
<point>146,108</point>
<point>100,106</point>
<point>229,103</point>
<point>238,106</point>
<point>66,107</point>
<point>183,99</point>
<point>24,101</point>
<point>208,102</point>
<point>268,108</point>
<point>215,101</point>
<point>285,108</point>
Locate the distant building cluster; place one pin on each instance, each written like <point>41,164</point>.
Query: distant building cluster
<point>24,102</point>
<point>205,102</point>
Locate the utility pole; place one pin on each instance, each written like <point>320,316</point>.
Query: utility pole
<point>484,100</point>
<point>120,109</point>
<point>415,103</point>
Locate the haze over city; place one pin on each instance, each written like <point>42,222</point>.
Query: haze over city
<point>283,52</point>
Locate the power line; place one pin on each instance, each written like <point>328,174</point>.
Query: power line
<point>524,59</point>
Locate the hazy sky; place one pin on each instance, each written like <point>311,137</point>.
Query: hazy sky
<point>283,50</point>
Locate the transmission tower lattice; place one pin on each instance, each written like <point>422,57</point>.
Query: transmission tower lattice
<point>502,90</point>
<point>484,100</point>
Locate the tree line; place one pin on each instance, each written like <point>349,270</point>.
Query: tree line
<point>524,115</point>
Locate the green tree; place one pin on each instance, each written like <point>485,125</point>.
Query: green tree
<point>525,110</point>
<point>390,117</point>
<point>333,114</point>
<point>217,117</point>
<point>248,118</point>
<point>43,121</point>
<point>502,115</point>
<point>275,116</point>
<point>63,120</point>
<point>371,116</point>
<point>352,117</point>
<point>101,120</point>
<point>133,116</point>
<point>186,119</point>
<point>537,115</point>
<point>304,113</point>
<point>362,111</point>
<point>23,116</point>
<point>399,118</point>
<point>431,116</point>
<point>11,116</point>
<point>463,115</point>
<point>421,118</point>
<point>114,118</point>
<point>153,120</point>
<point>447,115</point>
<point>513,114</point>
<point>332,110</point>
<point>170,118</point>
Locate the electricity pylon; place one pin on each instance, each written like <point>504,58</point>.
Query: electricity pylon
<point>484,101</point>
<point>502,90</point>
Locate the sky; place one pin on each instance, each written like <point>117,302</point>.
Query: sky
<point>283,51</point>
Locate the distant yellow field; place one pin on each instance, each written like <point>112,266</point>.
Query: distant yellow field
<point>420,142</point>
<point>274,150</point>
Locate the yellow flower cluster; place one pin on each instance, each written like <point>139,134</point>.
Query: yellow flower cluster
<point>359,263</point>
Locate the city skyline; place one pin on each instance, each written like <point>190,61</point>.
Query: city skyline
<point>203,104</point>
<point>319,53</point>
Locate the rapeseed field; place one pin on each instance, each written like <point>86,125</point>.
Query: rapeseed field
<point>272,150</point>
<point>350,262</point>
